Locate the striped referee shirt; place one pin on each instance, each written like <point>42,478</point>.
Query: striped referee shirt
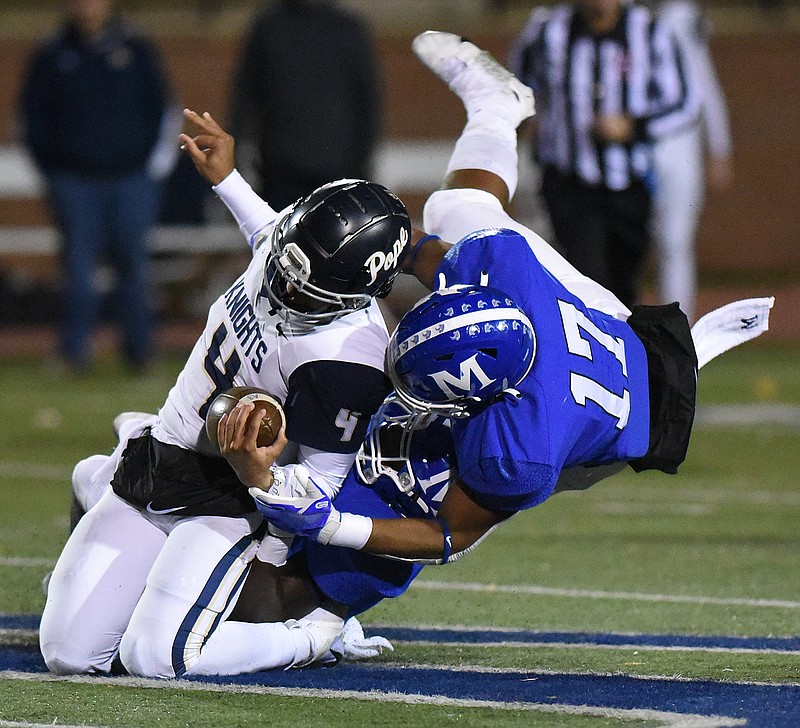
<point>634,69</point>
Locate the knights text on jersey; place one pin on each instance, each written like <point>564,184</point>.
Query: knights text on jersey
<point>584,401</point>
<point>242,346</point>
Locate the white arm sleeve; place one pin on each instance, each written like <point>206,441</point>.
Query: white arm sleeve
<point>252,214</point>
<point>328,470</point>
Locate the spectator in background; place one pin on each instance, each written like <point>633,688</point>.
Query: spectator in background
<point>306,103</point>
<point>608,81</point>
<point>95,109</point>
<point>683,157</point>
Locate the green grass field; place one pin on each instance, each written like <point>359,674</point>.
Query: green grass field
<point>712,551</point>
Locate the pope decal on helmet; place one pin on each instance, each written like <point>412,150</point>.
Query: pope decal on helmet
<point>459,347</point>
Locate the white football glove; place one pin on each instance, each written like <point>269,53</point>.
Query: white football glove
<point>295,505</point>
<point>288,481</point>
<point>275,545</point>
<point>310,513</point>
<point>358,647</point>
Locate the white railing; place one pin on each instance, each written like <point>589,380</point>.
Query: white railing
<point>403,166</point>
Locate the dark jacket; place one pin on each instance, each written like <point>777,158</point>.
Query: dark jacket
<point>93,108</point>
<point>306,91</point>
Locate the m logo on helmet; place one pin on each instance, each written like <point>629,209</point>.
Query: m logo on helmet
<point>467,369</point>
<point>386,261</point>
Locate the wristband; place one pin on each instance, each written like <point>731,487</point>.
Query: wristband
<point>447,540</point>
<point>353,531</point>
<point>413,254</point>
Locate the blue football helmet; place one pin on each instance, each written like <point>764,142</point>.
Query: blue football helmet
<point>333,251</point>
<point>458,349</point>
<point>411,474</point>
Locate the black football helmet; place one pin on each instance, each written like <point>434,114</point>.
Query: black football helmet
<point>333,251</point>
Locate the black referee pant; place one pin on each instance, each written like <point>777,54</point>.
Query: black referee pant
<point>604,233</point>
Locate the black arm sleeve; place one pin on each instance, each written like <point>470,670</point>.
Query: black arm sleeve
<point>329,404</point>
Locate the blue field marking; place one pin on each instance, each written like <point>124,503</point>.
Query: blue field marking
<point>477,636</point>
<point>21,659</point>
<point>490,636</point>
<point>19,621</point>
<point>761,705</point>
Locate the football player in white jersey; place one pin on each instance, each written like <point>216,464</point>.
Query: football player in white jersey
<point>150,573</point>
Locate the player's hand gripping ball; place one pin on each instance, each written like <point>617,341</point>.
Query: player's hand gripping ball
<point>274,417</point>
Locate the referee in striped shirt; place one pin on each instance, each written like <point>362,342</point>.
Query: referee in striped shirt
<point>608,80</point>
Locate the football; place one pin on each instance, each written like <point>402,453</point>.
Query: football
<point>273,420</point>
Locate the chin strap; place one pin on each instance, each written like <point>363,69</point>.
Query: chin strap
<point>730,325</point>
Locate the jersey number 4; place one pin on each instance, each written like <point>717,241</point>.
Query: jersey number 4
<point>221,377</point>
<point>576,324</point>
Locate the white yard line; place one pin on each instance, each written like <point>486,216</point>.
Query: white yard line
<point>594,594</point>
<point>556,673</point>
<point>626,508</point>
<point>433,585</point>
<point>633,646</point>
<point>732,492</point>
<point>26,562</point>
<point>666,719</point>
<point>34,471</point>
<point>748,415</point>
<point>24,724</point>
<point>18,635</point>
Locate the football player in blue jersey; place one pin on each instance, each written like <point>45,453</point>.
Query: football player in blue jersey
<point>547,380</point>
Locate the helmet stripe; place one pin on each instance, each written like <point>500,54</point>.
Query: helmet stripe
<point>467,319</point>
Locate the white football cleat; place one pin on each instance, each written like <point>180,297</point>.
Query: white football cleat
<point>474,75</point>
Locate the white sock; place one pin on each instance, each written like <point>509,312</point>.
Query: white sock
<point>481,91</point>
<point>488,142</point>
<point>242,647</point>
<point>323,616</point>
<point>313,639</point>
